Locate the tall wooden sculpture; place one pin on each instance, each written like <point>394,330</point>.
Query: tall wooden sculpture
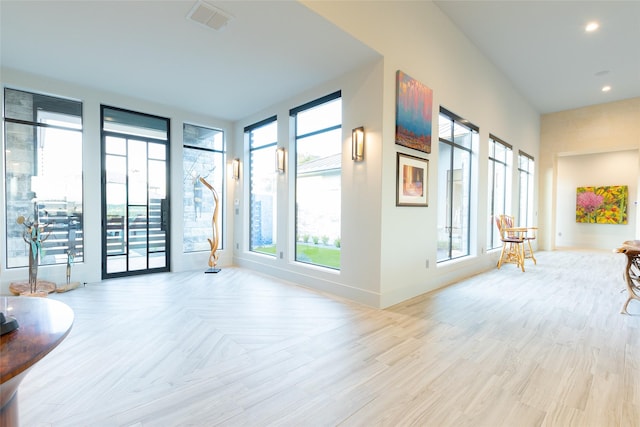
<point>213,242</point>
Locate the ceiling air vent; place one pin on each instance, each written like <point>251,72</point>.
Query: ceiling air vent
<point>209,16</point>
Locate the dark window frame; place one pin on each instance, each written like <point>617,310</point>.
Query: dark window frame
<point>248,130</point>
<point>455,119</point>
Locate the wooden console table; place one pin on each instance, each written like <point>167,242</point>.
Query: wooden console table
<point>43,324</point>
<point>631,248</point>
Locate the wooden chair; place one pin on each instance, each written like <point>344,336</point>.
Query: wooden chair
<point>512,241</point>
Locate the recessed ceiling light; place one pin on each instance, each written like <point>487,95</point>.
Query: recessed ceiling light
<point>606,88</point>
<point>591,26</point>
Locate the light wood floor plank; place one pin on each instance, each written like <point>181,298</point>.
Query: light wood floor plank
<point>547,347</point>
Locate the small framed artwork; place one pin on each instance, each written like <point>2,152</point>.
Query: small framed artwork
<point>412,181</point>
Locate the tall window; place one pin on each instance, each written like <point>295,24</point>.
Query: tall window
<point>457,138</point>
<point>500,154</point>
<point>43,175</point>
<point>263,139</point>
<point>318,173</point>
<point>525,172</point>
<point>203,157</point>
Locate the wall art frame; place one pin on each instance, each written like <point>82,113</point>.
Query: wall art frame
<point>602,205</point>
<point>412,181</point>
<point>414,113</point>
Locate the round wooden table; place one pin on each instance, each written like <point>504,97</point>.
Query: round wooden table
<point>631,248</point>
<point>43,324</point>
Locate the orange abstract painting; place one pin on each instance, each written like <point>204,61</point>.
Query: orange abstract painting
<point>413,113</point>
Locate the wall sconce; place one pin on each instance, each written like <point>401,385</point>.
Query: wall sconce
<point>236,169</point>
<point>357,144</point>
<point>280,160</point>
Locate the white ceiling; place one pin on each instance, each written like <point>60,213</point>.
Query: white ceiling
<point>272,49</point>
<point>149,50</point>
<point>543,48</point>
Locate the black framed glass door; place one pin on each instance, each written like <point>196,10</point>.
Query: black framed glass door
<point>135,199</point>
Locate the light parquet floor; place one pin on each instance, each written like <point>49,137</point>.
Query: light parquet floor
<point>547,347</point>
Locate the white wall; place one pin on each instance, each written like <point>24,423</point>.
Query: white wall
<point>90,270</point>
<point>594,170</point>
<point>359,276</point>
<point>417,38</point>
<point>600,144</point>
<point>384,247</point>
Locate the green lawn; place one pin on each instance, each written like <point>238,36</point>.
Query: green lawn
<point>320,255</point>
<point>314,254</point>
<point>269,250</point>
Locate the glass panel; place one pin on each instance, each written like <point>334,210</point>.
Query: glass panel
<point>116,171</point>
<point>137,224</point>
<point>43,175</point>
<point>116,212</point>
<point>157,179</point>
<point>318,186</point>
<point>500,207</point>
<point>116,199</point>
<point>157,151</point>
<point>326,145</point>
<point>157,211</point>
<point>444,207</point>
<point>157,260</point>
<point>137,214</point>
<point>491,205</point>
<point>445,124</point>
<point>116,264</point>
<point>454,184</point>
<point>198,202</point>
<point>115,145</point>
<point>460,204</point>
<point>19,105</point>
<point>202,137</point>
<point>500,152</point>
<point>522,208</point>
<point>462,135</point>
<point>320,117</point>
<point>34,107</point>
<point>135,124</point>
<point>526,187</point>
<point>262,231</point>
<point>499,189</point>
<point>137,172</point>
<point>264,135</point>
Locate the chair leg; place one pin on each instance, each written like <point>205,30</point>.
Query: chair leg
<point>501,255</point>
<point>512,252</point>
<point>531,253</point>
